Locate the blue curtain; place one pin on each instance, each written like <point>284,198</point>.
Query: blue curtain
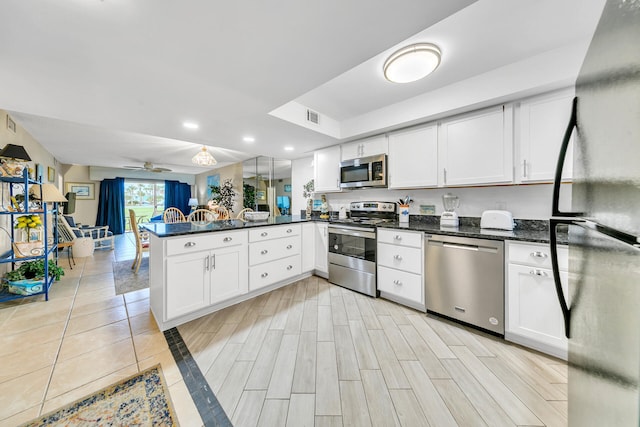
<point>111,205</point>
<point>177,194</point>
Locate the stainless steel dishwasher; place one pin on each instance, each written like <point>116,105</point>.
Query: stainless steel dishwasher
<point>465,280</point>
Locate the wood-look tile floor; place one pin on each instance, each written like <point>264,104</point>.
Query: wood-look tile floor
<point>312,353</point>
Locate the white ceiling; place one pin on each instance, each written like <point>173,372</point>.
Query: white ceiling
<point>108,83</point>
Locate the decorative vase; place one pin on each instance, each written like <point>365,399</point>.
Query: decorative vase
<point>309,208</point>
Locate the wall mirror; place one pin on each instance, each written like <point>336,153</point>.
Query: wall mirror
<point>266,185</point>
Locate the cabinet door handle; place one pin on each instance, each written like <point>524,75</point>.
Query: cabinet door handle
<point>397,282</point>
<point>338,183</point>
<point>397,237</point>
<point>397,257</point>
<point>458,308</point>
<point>263,234</point>
<point>445,175</point>
<point>289,246</point>
<point>206,264</point>
<point>289,230</point>
<point>227,239</point>
<point>189,244</point>
<point>264,252</point>
<point>524,169</point>
<point>263,275</point>
<point>289,267</point>
<point>538,254</point>
<point>539,273</point>
<point>213,261</point>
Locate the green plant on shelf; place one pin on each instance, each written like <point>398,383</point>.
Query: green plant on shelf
<point>34,270</point>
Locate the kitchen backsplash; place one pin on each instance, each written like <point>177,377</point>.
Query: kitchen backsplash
<point>523,201</point>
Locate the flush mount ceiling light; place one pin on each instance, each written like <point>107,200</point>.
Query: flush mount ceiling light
<point>249,139</point>
<point>412,63</point>
<point>204,158</point>
<point>288,148</point>
<point>190,125</point>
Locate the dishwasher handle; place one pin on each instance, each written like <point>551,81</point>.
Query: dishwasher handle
<point>459,246</point>
<point>466,247</point>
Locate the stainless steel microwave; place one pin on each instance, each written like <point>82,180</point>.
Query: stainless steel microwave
<point>364,172</point>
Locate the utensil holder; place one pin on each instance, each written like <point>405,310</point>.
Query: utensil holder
<point>404,213</point>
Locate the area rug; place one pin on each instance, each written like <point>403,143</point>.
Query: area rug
<point>126,280</point>
<point>140,400</point>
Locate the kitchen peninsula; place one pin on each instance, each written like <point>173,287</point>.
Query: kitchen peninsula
<point>198,268</point>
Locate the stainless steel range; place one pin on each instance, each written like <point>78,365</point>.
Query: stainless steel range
<point>352,246</point>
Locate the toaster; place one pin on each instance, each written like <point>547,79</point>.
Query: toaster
<point>501,220</point>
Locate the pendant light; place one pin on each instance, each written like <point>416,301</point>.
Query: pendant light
<point>204,158</point>
<point>412,63</point>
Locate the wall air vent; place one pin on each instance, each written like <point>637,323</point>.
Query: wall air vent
<point>313,117</point>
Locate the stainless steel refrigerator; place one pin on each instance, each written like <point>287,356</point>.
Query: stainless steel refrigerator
<point>602,310</point>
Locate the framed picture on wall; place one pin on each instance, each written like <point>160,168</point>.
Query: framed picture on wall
<point>212,181</point>
<point>51,174</point>
<point>261,195</point>
<point>83,190</point>
<point>11,125</point>
<point>287,188</point>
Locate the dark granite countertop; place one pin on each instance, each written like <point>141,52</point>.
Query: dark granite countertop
<point>525,230</point>
<point>161,229</point>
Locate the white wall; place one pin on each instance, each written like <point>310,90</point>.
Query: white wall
<point>301,173</point>
<point>524,201</point>
<point>86,210</point>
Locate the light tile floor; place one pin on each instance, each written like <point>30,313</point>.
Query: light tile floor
<point>83,339</point>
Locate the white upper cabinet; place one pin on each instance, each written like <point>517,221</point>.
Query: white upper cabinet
<point>365,147</point>
<point>477,149</point>
<point>326,169</point>
<point>413,158</point>
<point>542,123</point>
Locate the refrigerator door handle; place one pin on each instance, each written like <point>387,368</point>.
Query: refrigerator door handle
<point>618,235</point>
<point>555,210</point>
<point>553,246</point>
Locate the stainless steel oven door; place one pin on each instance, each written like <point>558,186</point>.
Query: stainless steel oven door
<point>352,258</point>
<point>353,242</point>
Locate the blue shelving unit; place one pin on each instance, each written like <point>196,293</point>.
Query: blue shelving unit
<point>50,247</point>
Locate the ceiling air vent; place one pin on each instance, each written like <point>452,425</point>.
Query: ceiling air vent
<point>313,117</point>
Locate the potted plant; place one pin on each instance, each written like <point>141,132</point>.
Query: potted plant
<point>223,195</point>
<point>28,279</point>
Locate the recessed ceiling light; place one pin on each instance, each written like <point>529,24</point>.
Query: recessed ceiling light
<point>288,148</point>
<point>190,125</point>
<point>412,63</point>
<point>249,139</point>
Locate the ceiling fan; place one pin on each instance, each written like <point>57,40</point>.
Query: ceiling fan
<point>148,167</point>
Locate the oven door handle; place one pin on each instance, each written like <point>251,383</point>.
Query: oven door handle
<point>352,231</point>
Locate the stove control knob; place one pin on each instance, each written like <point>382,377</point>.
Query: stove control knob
<point>335,247</point>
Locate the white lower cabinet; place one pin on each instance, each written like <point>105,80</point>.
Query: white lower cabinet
<point>193,292</point>
<point>201,276</point>
<point>321,243</point>
<point>274,255</point>
<point>534,317</point>
<point>308,260</point>
<point>401,267</point>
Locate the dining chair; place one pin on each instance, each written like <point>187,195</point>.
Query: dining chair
<point>240,215</point>
<point>221,212</point>
<point>201,215</point>
<point>142,245</point>
<point>172,215</point>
